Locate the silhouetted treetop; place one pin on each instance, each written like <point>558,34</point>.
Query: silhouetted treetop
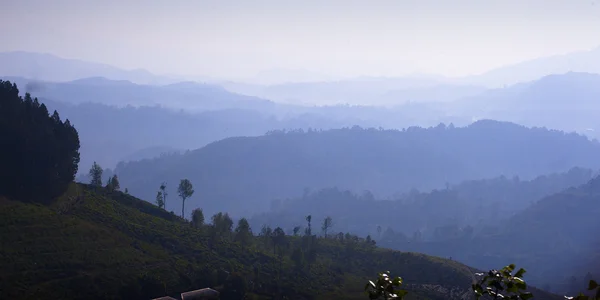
<point>41,152</point>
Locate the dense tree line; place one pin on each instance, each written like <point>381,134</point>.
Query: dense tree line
<point>40,153</point>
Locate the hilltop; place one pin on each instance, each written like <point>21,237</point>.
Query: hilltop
<point>98,244</point>
<point>191,96</point>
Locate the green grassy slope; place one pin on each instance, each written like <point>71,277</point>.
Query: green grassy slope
<point>99,245</point>
<point>104,245</point>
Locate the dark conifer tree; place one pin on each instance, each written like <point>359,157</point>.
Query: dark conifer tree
<point>40,153</point>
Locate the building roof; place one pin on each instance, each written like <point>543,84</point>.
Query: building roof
<point>206,293</point>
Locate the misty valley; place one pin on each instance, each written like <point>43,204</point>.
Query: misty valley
<point>296,183</point>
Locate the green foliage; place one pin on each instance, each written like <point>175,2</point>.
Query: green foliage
<point>113,183</point>
<point>197,217</point>
<point>502,284</point>
<point>222,223</point>
<point>385,287</point>
<point>235,287</point>
<point>243,232</point>
<point>160,200</point>
<point>278,239</point>
<point>93,243</point>
<point>40,153</point>
<point>95,174</point>
<point>185,190</point>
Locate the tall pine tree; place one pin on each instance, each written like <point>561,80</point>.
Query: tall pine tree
<point>41,152</point>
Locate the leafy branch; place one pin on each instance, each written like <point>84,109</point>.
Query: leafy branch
<point>385,287</point>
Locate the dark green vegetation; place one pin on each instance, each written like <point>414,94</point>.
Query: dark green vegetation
<point>40,153</point>
<point>554,237</point>
<point>100,244</point>
<point>242,175</point>
<point>385,287</point>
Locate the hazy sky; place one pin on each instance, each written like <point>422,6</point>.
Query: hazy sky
<point>243,37</point>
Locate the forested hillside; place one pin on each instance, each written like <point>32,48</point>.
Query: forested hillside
<point>91,244</point>
<point>244,174</point>
<point>476,205</point>
<point>480,223</point>
<point>555,237</point>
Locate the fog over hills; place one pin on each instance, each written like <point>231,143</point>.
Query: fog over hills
<point>297,149</point>
<point>192,96</point>
<point>562,101</point>
<point>567,101</point>
<point>245,174</point>
<point>48,67</point>
<point>478,222</point>
<point>359,91</point>
<point>580,61</point>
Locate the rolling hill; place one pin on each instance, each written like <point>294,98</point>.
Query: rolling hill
<point>128,133</point>
<point>376,91</point>
<point>91,243</point>
<point>566,101</point>
<point>555,237</point>
<point>242,175</point>
<point>191,96</point>
<point>474,204</point>
<point>48,67</point>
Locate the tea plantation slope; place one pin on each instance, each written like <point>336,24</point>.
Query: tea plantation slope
<point>107,245</point>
